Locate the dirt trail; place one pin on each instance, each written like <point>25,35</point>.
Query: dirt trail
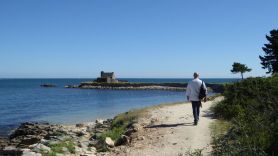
<point>169,131</point>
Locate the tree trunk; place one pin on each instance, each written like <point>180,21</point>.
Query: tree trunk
<point>241,76</point>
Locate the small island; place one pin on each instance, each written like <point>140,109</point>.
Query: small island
<point>48,85</point>
<point>107,80</point>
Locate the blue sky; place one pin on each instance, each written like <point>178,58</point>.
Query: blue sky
<point>134,38</point>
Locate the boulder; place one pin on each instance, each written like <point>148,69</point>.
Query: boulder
<point>109,142</point>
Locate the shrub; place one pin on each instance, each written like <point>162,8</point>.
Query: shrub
<point>251,106</point>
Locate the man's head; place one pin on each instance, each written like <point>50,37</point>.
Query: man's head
<point>196,75</point>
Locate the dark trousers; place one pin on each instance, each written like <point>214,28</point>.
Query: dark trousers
<point>196,109</point>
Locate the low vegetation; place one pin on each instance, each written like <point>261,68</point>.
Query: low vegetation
<point>119,126</point>
<point>59,147</point>
<point>251,106</point>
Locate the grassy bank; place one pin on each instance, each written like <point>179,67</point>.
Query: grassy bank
<point>251,106</point>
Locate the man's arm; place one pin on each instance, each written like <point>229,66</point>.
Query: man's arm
<point>205,87</point>
<point>188,91</point>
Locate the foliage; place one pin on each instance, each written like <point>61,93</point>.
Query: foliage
<point>252,107</point>
<point>119,125</point>
<point>240,68</point>
<point>58,147</point>
<point>270,60</point>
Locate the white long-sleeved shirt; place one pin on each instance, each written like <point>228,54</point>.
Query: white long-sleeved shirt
<point>193,89</point>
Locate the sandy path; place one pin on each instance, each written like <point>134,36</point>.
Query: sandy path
<point>169,131</point>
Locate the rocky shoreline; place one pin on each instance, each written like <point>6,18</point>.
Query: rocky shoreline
<point>43,139</point>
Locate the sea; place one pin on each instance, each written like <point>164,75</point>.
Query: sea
<point>23,100</point>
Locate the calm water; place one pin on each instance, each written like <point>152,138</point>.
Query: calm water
<point>24,100</point>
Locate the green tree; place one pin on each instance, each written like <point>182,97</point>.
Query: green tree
<point>270,60</point>
<point>240,68</point>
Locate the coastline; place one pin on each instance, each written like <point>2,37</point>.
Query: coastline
<point>37,138</point>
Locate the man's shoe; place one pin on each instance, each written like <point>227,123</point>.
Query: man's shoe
<point>195,122</point>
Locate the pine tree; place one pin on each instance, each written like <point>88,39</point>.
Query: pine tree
<point>270,60</point>
<point>240,68</point>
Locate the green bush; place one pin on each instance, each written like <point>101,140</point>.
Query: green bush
<point>252,107</point>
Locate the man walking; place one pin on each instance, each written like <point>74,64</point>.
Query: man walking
<point>192,94</point>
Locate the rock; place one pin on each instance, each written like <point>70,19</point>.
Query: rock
<point>30,133</point>
<point>87,154</point>
<point>10,150</point>
<point>65,150</point>
<point>141,138</point>
<point>30,153</point>
<point>80,125</point>
<point>90,128</point>
<point>80,133</point>
<point>44,141</point>
<point>95,136</point>
<point>123,140</point>
<point>78,149</point>
<point>40,148</point>
<point>135,127</point>
<point>109,142</point>
<point>129,132</point>
<point>29,140</point>
<point>3,142</point>
<point>99,121</point>
<point>84,144</point>
<point>48,85</point>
